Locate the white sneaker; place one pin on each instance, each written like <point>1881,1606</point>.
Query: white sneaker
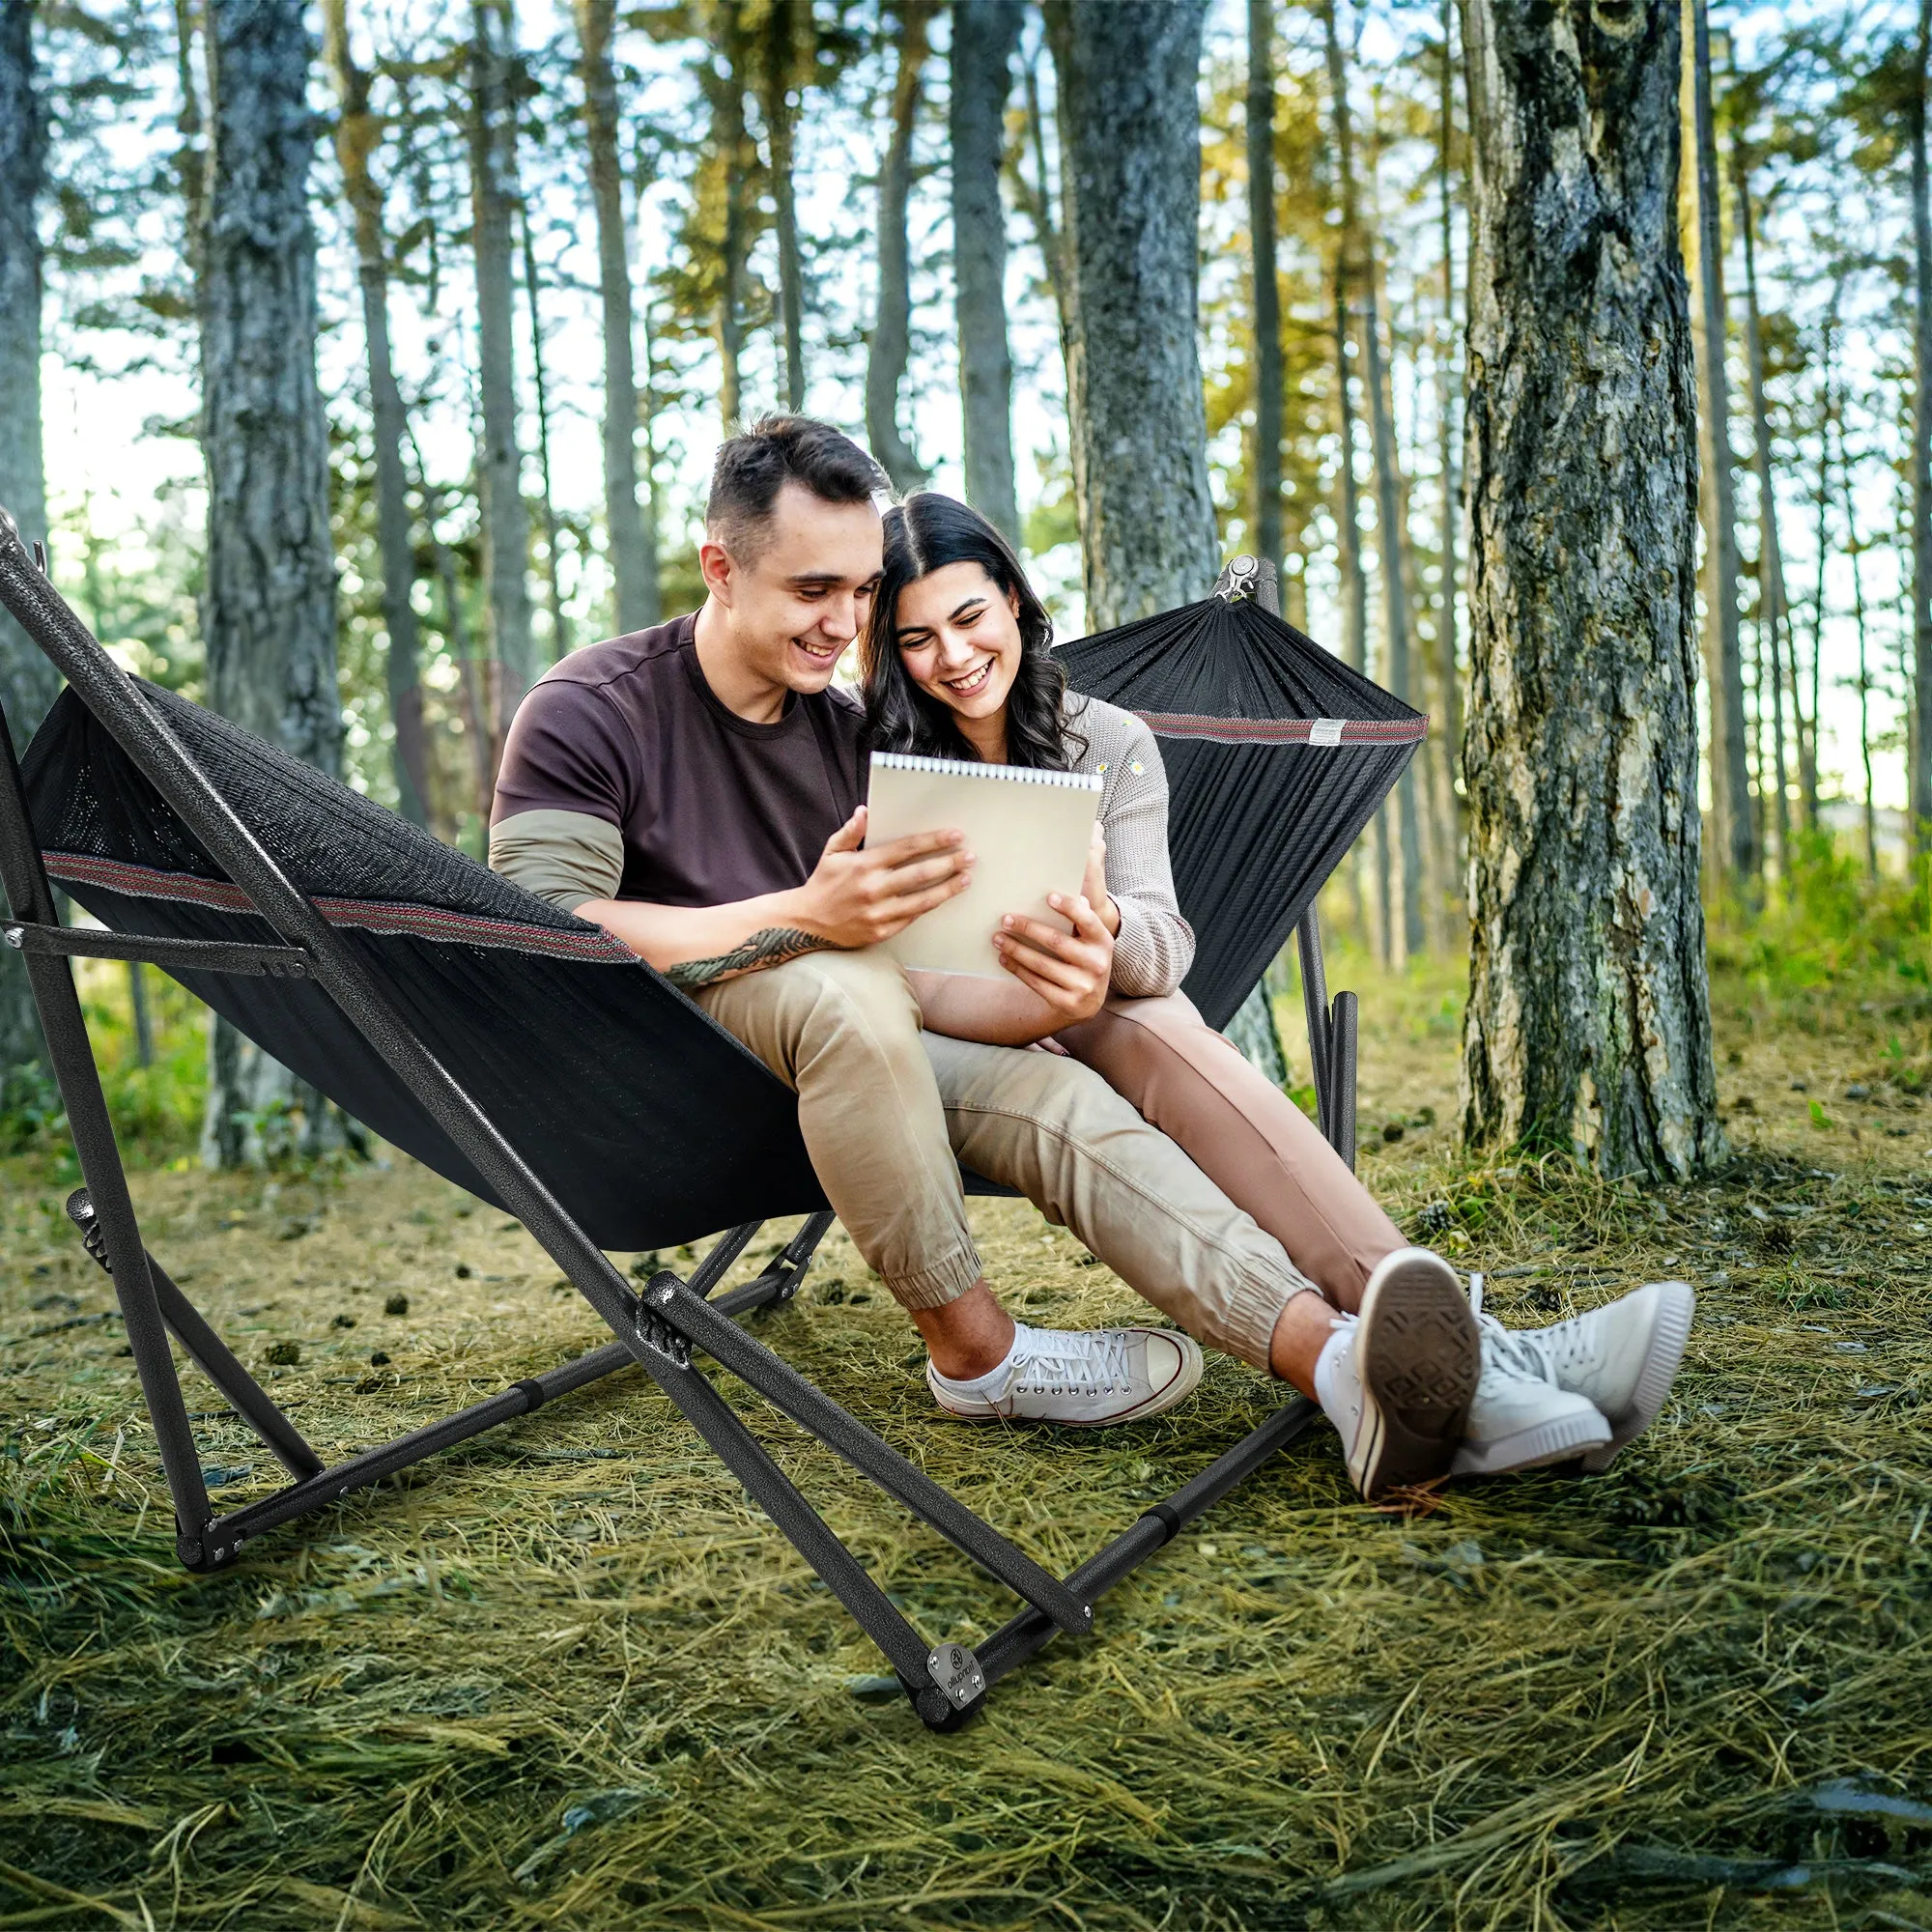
<point>1522,1417</point>
<point>1082,1379</point>
<point>1403,1380</point>
<point>1621,1357</point>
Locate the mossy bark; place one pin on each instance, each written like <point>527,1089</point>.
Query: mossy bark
<point>1588,1022</point>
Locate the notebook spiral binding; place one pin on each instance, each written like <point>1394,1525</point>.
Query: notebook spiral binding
<point>905,761</point>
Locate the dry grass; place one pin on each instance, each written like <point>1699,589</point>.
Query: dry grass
<point>566,1677</point>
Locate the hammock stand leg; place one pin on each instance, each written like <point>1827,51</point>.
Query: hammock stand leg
<point>662,1331</point>
<point>1331,1042</point>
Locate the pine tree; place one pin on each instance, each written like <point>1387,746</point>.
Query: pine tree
<point>891,324</point>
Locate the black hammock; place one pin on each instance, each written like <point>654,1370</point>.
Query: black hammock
<point>1277,754</point>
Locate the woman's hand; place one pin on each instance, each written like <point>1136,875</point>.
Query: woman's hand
<point>1071,972</point>
<point>1094,884</point>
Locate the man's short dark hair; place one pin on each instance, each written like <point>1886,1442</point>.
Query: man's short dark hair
<point>756,464</point>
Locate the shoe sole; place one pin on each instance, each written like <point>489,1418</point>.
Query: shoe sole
<point>1678,1304</point>
<point>1187,1379</point>
<point>1547,1442</point>
<point>1420,1357</point>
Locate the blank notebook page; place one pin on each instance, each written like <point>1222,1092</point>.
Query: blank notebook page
<point>1028,831</point>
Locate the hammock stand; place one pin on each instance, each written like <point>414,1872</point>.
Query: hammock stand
<point>323,960</point>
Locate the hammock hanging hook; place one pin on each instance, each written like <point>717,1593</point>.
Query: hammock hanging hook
<point>1245,578</point>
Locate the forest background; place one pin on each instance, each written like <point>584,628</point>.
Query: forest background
<point>554,255</point>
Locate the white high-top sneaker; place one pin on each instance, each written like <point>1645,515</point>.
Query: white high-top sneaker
<point>1403,1378</point>
<point>1622,1358</point>
<point>1082,1379</point>
<point>1521,1418</point>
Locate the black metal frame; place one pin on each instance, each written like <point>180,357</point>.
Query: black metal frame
<point>663,1329</point>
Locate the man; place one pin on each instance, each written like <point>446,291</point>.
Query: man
<point>695,789</point>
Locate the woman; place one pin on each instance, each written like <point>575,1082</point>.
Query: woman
<point>956,663</point>
<point>957,660</point>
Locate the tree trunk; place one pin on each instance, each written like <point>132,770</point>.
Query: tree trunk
<point>1354,584</point>
<point>781,79</point>
<point>500,465</point>
<point>1730,773</point>
<point>1269,379</point>
<point>634,562</point>
<point>560,624</point>
<point>28,682</point>
<point>1856,550</point>
<point>269,611</point>
<point>358,133</point>
<point>1921,452</point>
<point>1389,536</point>
<point>1774,617</point>
<point>1447,672</point>
<point>984,35</point>
<point>1037,199</point>
<point>891,326</point>
<point>1588,1023</point>
<point>1130,165</point>
<point>732,149</point>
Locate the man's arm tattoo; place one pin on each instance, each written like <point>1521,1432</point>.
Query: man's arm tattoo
<point>772,946</point>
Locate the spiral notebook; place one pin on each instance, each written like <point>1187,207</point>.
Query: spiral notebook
<point>1029,833</point>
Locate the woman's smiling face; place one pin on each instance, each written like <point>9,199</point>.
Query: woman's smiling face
<point>958,637</point>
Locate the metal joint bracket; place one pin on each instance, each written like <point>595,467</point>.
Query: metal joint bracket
<point>92,1236</point>
<point>1241,579</point>
<point>654,1332</point>
<point>957,1673</point>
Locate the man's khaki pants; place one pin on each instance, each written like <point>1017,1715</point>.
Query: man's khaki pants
<point>890,1112</point>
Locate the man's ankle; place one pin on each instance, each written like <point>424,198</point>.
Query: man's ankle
<point>967,1337</point>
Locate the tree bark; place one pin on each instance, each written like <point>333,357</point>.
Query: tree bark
<point>1588,1023</point>
<point>1730,772</point>
<point>1269,378</point>
<point>359,134</point>
<point>499,466</point>
<point>560,624</point>
<point>1854,550</point>
<point>269,611</point>
<point>780,80</point>
<point>633,562</point>
<point>1773,615</point>
<point>28,682</point>
<point>733,147</point>
<point>891,326</point>
<point>1920,789</point>
<point>1354,584</point>
<point>984,35</point>
<point>1447,671</point>
<point>1130,168</point>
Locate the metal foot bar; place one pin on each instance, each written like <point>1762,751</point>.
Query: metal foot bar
<point>177,956</point>
<point>210,1354</point>
<point>1341,1134</point>
<point>780,1281</point>
<point>1315,1005</point>
<point>812,1410</point>
<point>723,1251</point>
<point>1011,1645</point>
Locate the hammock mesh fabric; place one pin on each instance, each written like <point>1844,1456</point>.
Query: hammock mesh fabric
<point>1277,754</point>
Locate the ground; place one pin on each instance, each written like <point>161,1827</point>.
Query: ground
<point>565,1675</point>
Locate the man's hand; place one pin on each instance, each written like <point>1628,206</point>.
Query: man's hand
<point>1070,972</point>
<point>858,897</point>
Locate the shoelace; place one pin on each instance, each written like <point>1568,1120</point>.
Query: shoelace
<point>1513,1354</point>
<point>1096,1366</point>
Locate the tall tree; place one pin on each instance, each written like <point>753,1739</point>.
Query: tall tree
<point>984,35</point>
<point>787,46</point>
<point>499,463</point>
<point>1130,165</point>
<point>269,604</point>
<point>1920,736</point>
<point>28,682</point>
<point>358,136</point>
<point>1389,525</point>
<point>1773,617</point>
<point>1354,588</point>
<point>1269,380</point>
<point>560,624</point>
<point>1447,393</point>
<point>891,326</point>
<point>1588,1022</point>
<point>1731,771</point>
<point>729,174</point>
<point>634,562</point>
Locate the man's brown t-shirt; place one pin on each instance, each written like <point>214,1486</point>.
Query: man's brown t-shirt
<point>624,777</point>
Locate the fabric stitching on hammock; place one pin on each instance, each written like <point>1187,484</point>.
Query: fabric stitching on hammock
<point>390,918</point>
<point>1282,731</point>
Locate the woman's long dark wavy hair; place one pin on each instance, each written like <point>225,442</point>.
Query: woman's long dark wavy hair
<point>925,533</point>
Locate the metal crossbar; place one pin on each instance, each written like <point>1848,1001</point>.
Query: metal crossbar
<point>663,1330</point>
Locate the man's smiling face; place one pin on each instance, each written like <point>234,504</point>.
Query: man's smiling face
<point>803,596</point>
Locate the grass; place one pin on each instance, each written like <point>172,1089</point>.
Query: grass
<point>566,1677</point>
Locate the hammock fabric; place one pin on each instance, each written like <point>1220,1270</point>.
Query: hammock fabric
<point>1277,754</point>
<point>563,1037</point>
